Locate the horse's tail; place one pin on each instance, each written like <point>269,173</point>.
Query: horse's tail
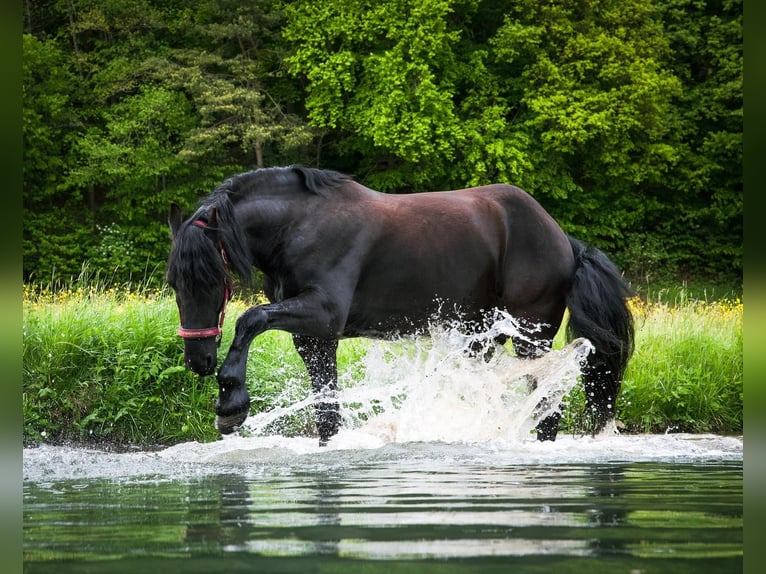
<point>598,311</point>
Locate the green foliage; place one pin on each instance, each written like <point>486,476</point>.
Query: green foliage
<point>384,72</point>
<point>590,89</point>
<point>136,143</point>
<point>623,117</point>
<point>98,366</point>
<point>701,214</point>
<point>56,225</point>
<point>577,102</point>
<point>153,103</point>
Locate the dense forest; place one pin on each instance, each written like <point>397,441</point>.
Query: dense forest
<point>624,118</point>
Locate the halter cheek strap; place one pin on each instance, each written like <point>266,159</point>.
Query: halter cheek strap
<point>228,292</point>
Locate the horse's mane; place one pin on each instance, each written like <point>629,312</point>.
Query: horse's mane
<point>196,261</point>
<point>321,180</point>
<point>292,178</point>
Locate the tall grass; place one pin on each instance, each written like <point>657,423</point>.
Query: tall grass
<point>686,373</point>
<point>105,364</point>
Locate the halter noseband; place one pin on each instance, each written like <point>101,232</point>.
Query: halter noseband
<point>228,291</point>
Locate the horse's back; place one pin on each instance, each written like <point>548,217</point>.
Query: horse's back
<point>424,253</point>
<point>506,220</point>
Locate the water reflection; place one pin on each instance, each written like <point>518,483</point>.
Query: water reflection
<point>675,515</point>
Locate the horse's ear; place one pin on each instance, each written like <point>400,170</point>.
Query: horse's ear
<point>175,218</point>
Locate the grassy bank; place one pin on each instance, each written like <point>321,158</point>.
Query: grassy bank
<point>686,373</point>
<point>106,365</point>
<point>103,364</point>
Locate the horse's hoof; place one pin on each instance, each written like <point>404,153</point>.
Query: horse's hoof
<point>230,423</point>
<point>231,408</point>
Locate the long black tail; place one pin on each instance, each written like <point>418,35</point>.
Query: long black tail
<point>598,311</point>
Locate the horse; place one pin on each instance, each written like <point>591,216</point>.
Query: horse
<point>339,260</point>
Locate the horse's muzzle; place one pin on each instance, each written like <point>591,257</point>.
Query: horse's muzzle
<point>200,357</point>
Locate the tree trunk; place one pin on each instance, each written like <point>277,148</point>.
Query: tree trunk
<point>258,154</point>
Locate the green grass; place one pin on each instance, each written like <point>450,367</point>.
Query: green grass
<point>105,364</point>
<point>678,294</point>
<point>686,373</point>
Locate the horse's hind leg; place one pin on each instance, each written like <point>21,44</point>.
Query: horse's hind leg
<point>528,348</point>
<point>319,356</point>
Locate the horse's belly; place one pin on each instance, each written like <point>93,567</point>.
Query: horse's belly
<point>404,313</point>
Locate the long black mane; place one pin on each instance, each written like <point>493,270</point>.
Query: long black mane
<point>195,260</point>
<point>296,178</point>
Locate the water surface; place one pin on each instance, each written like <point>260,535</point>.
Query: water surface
<point>276,504</point>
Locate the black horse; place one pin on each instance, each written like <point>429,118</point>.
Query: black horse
<point>341,260</point>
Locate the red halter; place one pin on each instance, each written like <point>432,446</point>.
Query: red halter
<point>228,291</point>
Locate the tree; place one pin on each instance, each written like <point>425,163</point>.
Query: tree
<point>587,104</point>
<point>54,237</point>
<point>702,200</point>
<point>381,73</point>
<point>169,100</point>
<point>623,117</point>
<point>232,74</point>
<point>589,95</point>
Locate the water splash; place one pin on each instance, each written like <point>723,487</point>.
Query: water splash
<point>432,389</point>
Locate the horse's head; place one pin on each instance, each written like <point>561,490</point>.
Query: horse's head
<point>197,272</point>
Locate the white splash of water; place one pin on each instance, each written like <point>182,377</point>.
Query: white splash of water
<point>432,389</point>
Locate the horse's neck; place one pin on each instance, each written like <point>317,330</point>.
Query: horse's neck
<point>269,223</point>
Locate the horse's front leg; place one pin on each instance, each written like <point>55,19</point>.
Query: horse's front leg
<point>319,356</point>
<point>233,402</point>
<point>313,317</point>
